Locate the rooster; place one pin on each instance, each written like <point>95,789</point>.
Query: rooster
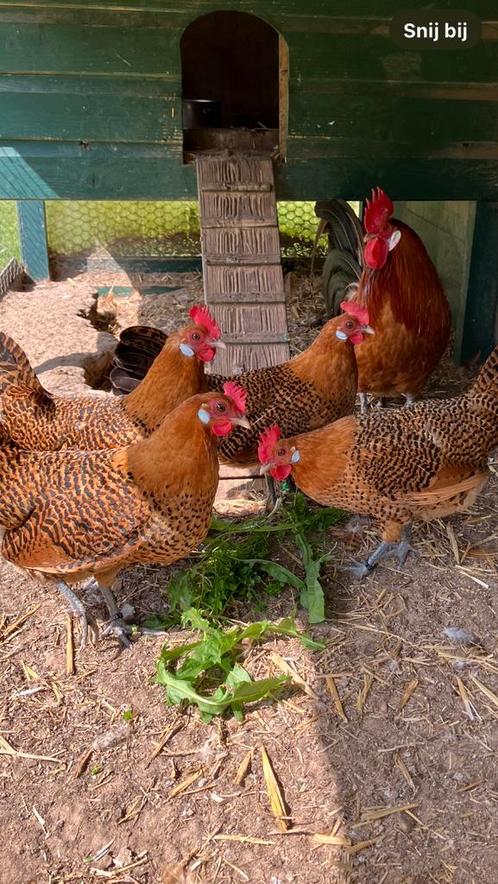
<point>397,465</point>
<point>311,389</point>
<point>387,270</point>
<point>32,418</point>
<point>71,515</point>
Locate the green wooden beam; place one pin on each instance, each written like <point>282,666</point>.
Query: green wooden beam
<point>33,237</point>
<point>481,313</point>
<point>48,170</point>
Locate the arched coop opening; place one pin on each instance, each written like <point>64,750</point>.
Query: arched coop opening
<point>234,85</point>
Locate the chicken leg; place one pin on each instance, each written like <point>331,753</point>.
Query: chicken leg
<point>78,609</point>
<point>386,548</point>
<point>116,625</point>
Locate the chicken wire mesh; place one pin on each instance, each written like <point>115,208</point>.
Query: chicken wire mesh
<point>9,233</point>
<point>144,229</point>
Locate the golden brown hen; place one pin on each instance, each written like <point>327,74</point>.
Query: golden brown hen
<point>32,418</point>
<point>70,515</point>
<point>397,465</point>
<point>312,389</point>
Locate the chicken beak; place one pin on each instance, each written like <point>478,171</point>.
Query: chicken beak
<point>241,422</point>
<point>264,469</point>
<point>218,345</point>
<point>367,329</point>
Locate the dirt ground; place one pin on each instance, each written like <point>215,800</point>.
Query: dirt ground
<point>387,744</point>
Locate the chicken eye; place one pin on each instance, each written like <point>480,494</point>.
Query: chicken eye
<point>280,452</point>
<point>196,336</point>
<point>220,407</point>
<point>349,323</point>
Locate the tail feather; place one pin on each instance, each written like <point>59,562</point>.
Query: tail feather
<point>343,228</point>
<point>487,380</point>
<point>15,369</point>
<point>343,264</point>
<point>137,348</point>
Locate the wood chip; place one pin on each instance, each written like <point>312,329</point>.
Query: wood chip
<point>7,749</point>
<point>243,839</point>
<point>486,691</point>
<point>166,736</point>
<point>70,669</point>
<point>364,692</point>
<point>332,689</point>
<point>82,763</point>
<point>408,691</point>
<point>338,840</point>
<point>184,784</point>
<point>243,769</point>
<point>377,813</point>
<point>274,792</point>
<point>361,845</point>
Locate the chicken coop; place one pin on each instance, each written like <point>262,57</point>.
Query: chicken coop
<point>126,101</point>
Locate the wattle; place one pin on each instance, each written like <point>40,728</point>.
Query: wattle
<point>221,427</point>
<point>376,252</point>
<point>206,354</point>
<point>281,471</point>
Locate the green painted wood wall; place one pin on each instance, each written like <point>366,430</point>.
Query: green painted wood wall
<point>90,101</point>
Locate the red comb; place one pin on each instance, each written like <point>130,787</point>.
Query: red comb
<point>201,316</point>
<point>360,313</point>
<point>378,211</point>
<point>267,441</point>
<point>237,394</point>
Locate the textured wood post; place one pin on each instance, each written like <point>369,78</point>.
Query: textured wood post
<point>33,237</point>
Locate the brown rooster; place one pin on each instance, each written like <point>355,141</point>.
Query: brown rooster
<point>423,462</point>
<point>312,389</point>
<point>70,515</point>
<point>400,288</point>
<point>32,418</point>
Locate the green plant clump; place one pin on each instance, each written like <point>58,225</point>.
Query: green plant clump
<point>236,564</point>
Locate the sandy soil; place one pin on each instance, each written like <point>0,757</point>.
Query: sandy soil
<point>398,768</point>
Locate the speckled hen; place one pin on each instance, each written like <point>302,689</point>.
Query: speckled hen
<point>312,389</point>
<point>32,418</point>
<point>424,462</point>
<point>70,515</point>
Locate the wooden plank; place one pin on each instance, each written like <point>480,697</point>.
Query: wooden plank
<point>247,242</point>
<point>103,117</point>
<point>231,209</point>
<point>350,56</point>
<point>257,322</point>
<point>245,357</point>
<point>33,238</point>
<point>423,122</point>
<point>260,283</point>
<point>247,298</point>
<point>278,16</point>
<point>481,313</point>
<point>51,170</point>
<point>78,48</point>
<point>233,171</point>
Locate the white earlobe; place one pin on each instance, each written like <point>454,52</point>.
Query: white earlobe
<point>203,416</point>
<point>186,350</point>
<point>394,239</point>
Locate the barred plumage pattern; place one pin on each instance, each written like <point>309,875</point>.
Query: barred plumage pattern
<point>424,461</point>
<point>34,419</point>
<point>77,514</point>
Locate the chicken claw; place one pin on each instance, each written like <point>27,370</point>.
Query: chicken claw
<point>78,609</point>
<point>116,625</point>
<point>400,550</point>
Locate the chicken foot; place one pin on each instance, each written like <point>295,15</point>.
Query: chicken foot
<point>116,625</point>
<point>78,609</point>
<point>401,549</point>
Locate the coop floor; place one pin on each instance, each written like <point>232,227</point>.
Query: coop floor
<point>404,738</point>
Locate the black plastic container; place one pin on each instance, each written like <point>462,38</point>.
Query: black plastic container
<point>201,113</point>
